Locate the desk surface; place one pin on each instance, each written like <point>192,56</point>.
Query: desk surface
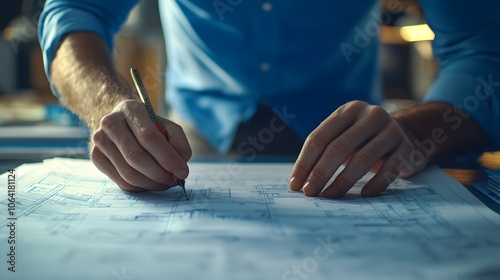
<point>472,172</point>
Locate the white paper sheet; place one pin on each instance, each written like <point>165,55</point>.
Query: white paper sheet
<point>242,222</point>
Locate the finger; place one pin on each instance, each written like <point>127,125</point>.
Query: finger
<point>376,167</point>
<point>363,160</point>
<point>152,140</point>
<point>105,166</point>
<point>127,172</point>
<point>316,143</point>
<point>177,139</point>
<point>339,150</point>
<point>346,162</point>
<point>387,173</point>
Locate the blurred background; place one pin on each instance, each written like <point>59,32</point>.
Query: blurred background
<point>31,116</point>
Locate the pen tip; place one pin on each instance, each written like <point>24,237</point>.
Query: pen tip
<point>179,182</point>
<point>182,184</point>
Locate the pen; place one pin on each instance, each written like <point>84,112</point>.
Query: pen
<point>145,99</point>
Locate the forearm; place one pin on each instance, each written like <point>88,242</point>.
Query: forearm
<point>441,129</point>
<point>83,74</point>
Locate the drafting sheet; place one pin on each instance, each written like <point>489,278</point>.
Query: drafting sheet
<point>242,222</point>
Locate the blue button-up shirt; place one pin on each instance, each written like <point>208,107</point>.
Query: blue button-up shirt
<point>301,58</point>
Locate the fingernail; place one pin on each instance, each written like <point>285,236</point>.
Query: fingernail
<point>294,184</point>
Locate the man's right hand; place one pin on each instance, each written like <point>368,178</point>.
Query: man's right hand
<point>129,149</point>
<point>125,144</point>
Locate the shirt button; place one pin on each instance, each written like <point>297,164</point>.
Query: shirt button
<point>265,66</point>
<point>267,7</point>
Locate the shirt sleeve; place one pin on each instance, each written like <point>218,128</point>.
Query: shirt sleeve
<point>60,17</point>
<point>467,46</point>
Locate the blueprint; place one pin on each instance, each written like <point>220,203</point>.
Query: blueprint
<point>242,222</point>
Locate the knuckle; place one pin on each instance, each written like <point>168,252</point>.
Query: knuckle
<point>338,150</point>
<point>355,105</point>
<point>148,138</point>
<point>128,108</point>
<point>108,122</point>
<point>378,113</point>
<point>130,105</point>
<point>134,157</point>
<point>364,158</point>
<point>318,176</point>
<point>315,140</point>
<point>300,168</point>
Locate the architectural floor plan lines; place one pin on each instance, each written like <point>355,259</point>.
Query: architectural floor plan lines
<point>244,222</point>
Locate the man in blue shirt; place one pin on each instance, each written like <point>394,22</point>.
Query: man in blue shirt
<point>280,67</point>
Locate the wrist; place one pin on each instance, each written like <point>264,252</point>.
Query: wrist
<point>422,146</point>
<point>106,100</point>
<point>429,129</point>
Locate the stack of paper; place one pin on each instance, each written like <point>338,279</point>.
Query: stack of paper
<point>494,182</point>
<point>43,141</point>
<point>492,187</point>
<point>241,222</point>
